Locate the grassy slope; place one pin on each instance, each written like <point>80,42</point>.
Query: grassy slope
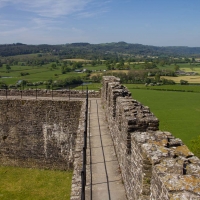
<point>178,112</point>
<point>31,184</point>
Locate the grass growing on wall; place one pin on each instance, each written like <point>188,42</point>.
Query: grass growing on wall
<point>178,112</point>
<point>31,184</point>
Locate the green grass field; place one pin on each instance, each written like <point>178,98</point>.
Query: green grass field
<point>178,112</point>
<point>34,184</point>
<point>36,74</point>
<point>177,87</point>
<point>93,86</point>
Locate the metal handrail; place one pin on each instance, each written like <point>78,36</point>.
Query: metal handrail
<point>83,172</point>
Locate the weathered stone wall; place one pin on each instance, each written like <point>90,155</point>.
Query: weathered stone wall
<point>154,164</point>
<point>48,93</point>
<point>38,133</point>
<point>78,157</point>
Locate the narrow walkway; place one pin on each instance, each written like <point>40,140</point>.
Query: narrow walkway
<point>104,179</point>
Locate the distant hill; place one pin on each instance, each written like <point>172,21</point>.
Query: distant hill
<point>88,51</point>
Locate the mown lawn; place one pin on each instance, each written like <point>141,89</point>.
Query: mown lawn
<point>178,112</point>
<point>34,184</point>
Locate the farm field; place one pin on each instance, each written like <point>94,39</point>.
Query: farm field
<point>190,79</point>
<point>77,60</point>
<point>30,184</point>
<point>95,68</point>
<point>177,87</point>
<point>178,112</point>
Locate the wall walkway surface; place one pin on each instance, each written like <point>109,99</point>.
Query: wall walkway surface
<point>154,164</point>
<point>103,175</point>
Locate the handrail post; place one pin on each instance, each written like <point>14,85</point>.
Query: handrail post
<point>21,90</point>
<point>6,92</point>
<point>69,92</point>
<point>36,92</point>
<point>83,185</point>
<point>52,91</point>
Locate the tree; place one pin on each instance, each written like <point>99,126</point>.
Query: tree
<point>3,85</point>
<point>8,68</point>
<point>93,63</point>
<point>53,66</point>
<point>77,65</point>
<point>193,60</point>
<point>157,77</point>
<point>183,82</point>
<point>176,67</point>
<point>187,60</point>
<point>162,63</point>
<point>1,64</point>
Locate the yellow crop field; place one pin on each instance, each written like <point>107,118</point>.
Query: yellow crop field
<point>190,79</point>
<point>77,60</point>
<point>192,69</point>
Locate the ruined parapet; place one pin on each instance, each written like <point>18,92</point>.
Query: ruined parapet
<point>105,81</point>
<point>154,164</point>
<point>50,93</point>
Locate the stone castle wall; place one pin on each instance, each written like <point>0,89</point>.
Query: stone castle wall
<point>154,164</point>
<point>48,93</point>
<point>38,133</point>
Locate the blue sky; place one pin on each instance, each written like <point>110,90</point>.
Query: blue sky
<point>149,22</point>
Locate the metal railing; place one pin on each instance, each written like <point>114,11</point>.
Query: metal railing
<point>83,172</point>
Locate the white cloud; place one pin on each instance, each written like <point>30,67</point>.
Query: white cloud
<point>56,8</point>
<point>13,32</point>
<point>42,22</point>
<point>48,8</point>
<point>50,21</point>
<point>6,23</point>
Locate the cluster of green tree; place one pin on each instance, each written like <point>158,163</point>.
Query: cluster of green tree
<point>69,66</point>
<point>28,61</point>
<point>140,76</point>
<point>24,73</point>
<point>183,82</point>
<point>3,85</point>
<point>97,51</point>
<point>68,82</point>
